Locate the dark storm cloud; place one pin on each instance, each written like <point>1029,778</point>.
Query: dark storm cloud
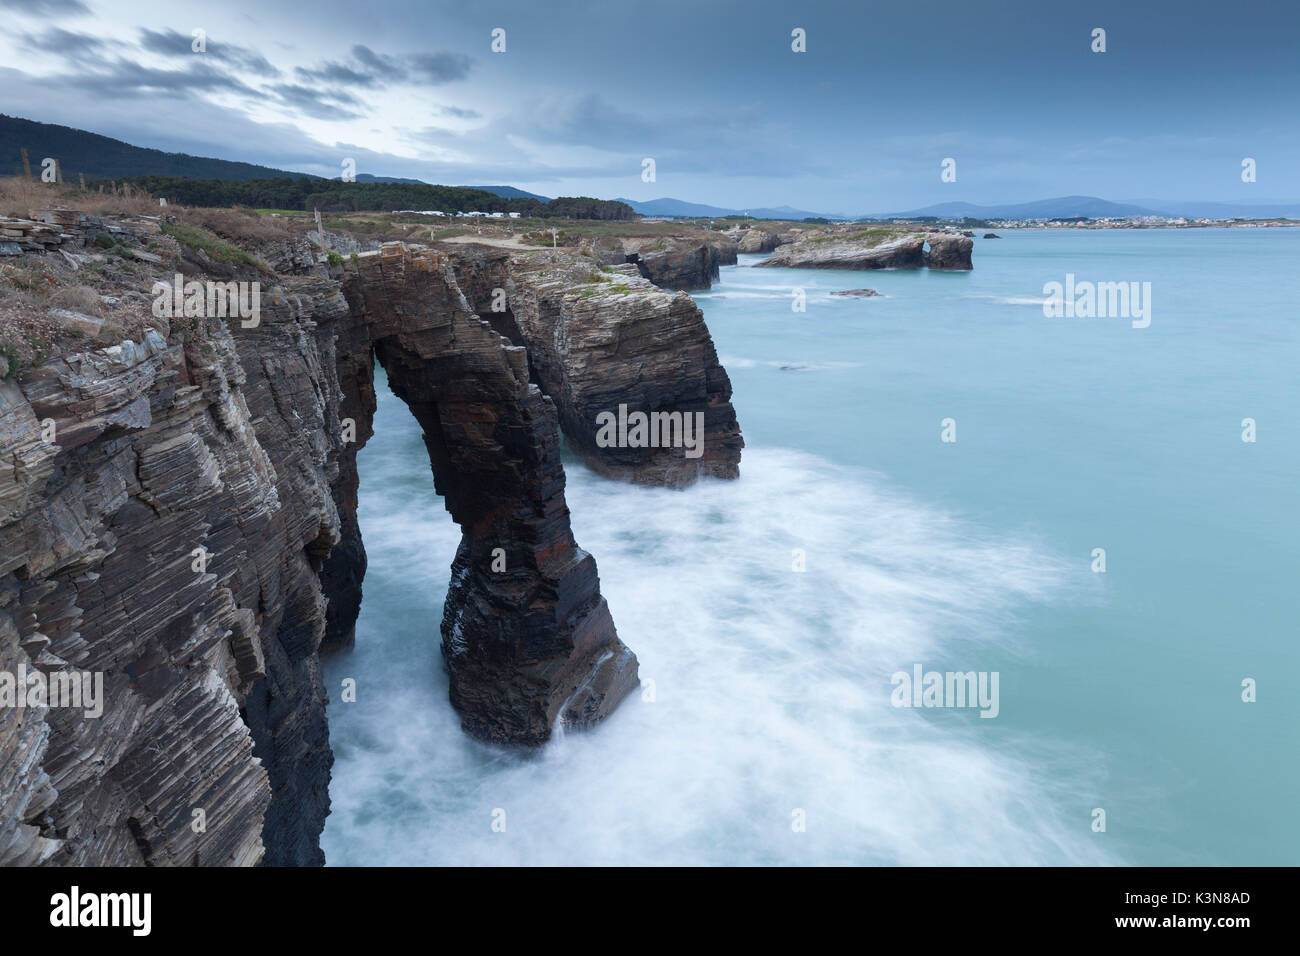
<point>128,78</point>
<point>171,43</point>
<point>370,70</point>
<point>458,113</point>
<point>58,40</point>
<point>42,7</point>
<point>319,104</point>
<point>441,67</point>
<point>335,72</point>
<point>380,66</point>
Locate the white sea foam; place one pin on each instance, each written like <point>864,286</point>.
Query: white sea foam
<point>731,361</point>
<point>1010,299</point>
<point>771,687</point>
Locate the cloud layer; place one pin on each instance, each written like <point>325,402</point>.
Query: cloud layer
<point>715,94</point>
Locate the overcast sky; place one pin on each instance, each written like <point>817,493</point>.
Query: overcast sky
<point>710,89</point>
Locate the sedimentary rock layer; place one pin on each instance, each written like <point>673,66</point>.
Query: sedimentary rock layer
<point>875,249</point>
<point>168,538</point>
<point>534,642</point>
<point>679,264</point>
<point>601,337</point>
<point>758,240</point>
<point>947,251</point>
<point>178,516</point>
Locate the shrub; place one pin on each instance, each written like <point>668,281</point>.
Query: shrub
<point>214,247</point>
<point>78,298</point>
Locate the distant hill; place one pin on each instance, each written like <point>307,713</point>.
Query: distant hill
<point>510,192</point>
<point>676,207</point>
<point>668,207</point>
<point>100,157</point>
<point>331,195</point>
<point>788,212</point>
<point>1063,207</point>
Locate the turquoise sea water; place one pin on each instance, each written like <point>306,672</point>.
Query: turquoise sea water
<point>771,701</point>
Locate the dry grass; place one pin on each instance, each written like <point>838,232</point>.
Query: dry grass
<point>32,286</point>
<point>240,226</point>
<point>78,298</point>
<point>19,196</point>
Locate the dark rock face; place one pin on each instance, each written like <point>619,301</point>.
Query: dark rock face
<point>533,643</point>
<point>188,531</point>
<point>598,339</point>
<point>991,235</point>
<point>727,250</point>
<point>677,264</point>
<point>159,452</point>
<point>949,252</point>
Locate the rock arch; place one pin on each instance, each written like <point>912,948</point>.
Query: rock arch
<point>534,643</point>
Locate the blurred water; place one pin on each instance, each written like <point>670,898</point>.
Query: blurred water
<point>771,688</point>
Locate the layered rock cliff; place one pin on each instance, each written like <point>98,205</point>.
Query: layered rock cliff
<point>679,263</point>
<point>534,642</point>
<point>758,240</point>
<point>876,248</point>
<point>166,510</point>
<point>601,337</point>
<point>178,516</point>
<point>947,251</point>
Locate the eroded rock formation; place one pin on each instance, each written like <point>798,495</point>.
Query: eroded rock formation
<point>875,248</point>
<point>758,240</point>
<point>679,264</point>
<point>601,337</point>
<point>168,538</point>
<point>179,515</point>
<point>947,251</point>
<point>536,642</point>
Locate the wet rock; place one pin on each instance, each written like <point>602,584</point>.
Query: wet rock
<point>947,251</point>
<point>178,515</point>
<point>533,643</point>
